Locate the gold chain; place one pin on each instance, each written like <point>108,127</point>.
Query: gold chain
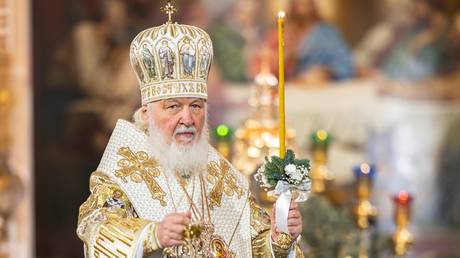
<point>203,190</point>
<point>171,195</point>
<point>204,200</point>
<point>239,219</point>
<point>209,212</point>
<point>193,205</point>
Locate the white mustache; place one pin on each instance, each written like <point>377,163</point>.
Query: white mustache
<point>185,130</point>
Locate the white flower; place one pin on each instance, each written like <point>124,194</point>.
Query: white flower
<point>261,176</point>
<point>297,176</point>
<point>265,180</point>
<point>290,169</point>
<point>261,169</point>
<point>300,171</point>
<point>293,172</point>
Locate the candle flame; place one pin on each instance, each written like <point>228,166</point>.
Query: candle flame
<point>365,168</point>
<point>281,14</point>
<point>322,135</point>
<point>403,196</point>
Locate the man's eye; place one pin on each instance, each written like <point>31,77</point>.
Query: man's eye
<point>172,107</point>
<point>196,106</point>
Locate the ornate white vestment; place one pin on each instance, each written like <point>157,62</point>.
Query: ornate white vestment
<point>144,193</point>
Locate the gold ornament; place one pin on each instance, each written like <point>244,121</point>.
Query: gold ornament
<point>169,9</point>
<point>402,238</point>
<point>284,241</point>
<point>364,210</point>
<point>140,168</point>
<point>200,240</point>
<point>320,174</point>
<point>116,236</point>
<point>224,182</point>
<point>192,231</point>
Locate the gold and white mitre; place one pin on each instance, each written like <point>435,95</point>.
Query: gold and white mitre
<point>172,60</point>
<point>128,161</point>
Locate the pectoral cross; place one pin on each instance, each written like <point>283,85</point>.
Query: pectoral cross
<point>169,9</point>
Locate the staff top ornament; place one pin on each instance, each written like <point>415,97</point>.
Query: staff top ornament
<point>169,9</point>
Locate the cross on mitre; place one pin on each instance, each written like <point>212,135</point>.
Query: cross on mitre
<point>169,9</point>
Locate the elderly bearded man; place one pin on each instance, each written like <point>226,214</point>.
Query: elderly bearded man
<point>179,197</point>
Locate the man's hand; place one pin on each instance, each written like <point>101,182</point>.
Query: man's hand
<point>294,222</point>
<point>170,229</point>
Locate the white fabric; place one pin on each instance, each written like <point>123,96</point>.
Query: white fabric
<point>282,211</point>
<point>139,245</point>
<point>283,204</point>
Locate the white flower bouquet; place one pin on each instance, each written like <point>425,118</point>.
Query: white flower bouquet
<point>285,174</point>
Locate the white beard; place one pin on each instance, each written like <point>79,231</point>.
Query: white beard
<point>186,160</point>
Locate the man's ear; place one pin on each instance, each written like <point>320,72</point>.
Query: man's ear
<point>144,114</point>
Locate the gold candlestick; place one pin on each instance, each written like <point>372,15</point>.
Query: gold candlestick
<point>402,238</point>
<point>319,173</point>
<point>223,140</point>
<point>282,122</point>
<point>364,210</point>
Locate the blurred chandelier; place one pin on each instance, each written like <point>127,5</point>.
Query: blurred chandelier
<point>259,136</point>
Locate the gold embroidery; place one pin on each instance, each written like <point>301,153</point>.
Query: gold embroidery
<point>95,208</point>
<point>162,90</point>
<point>261,245</point>
<point>89,205</point>
<point>101,189</point>
<point>140,168</point>
<point>260,220</point>
<point>151,243</point>
<point>224,182</point>
<point>116,237</point>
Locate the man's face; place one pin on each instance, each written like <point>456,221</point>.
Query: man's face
<point>422,10</point>
<point>179,119</point>
<point>117,194</point>
<point>304,8</point>
<point>115,12</point>
<point>246,12</point>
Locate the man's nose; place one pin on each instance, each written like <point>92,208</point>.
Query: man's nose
<point>186,117</point>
